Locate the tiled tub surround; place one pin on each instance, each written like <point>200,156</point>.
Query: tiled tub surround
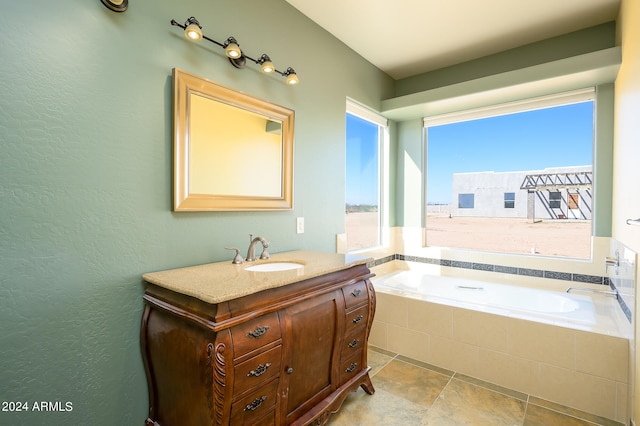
<point>582,369</point>
<point>622,277</point>
<point>585,311</point>
<point>623,284</point>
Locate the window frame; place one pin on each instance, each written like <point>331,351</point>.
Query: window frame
<point>511,200</point>
<point>555,199</point>
<point>466,197</point>
<point>363,112</point>
<point>588,94</point>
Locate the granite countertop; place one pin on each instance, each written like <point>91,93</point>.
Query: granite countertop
<point>222,281</point>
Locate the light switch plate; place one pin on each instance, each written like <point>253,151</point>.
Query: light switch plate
<point>300,225</point>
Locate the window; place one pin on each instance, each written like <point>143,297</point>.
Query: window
<point>465,201</point>
<point>509,200</point>
<point>539,151</point>
<point>555,200</point>
<point>366,132</point>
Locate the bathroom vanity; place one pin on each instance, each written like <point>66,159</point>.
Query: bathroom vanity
<point>223,345</point>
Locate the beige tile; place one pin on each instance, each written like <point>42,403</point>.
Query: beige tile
<point>382,351</point>
<point>412,344</point>
<point>410,382</point>
<point>381,408</point>
<point>493,387</point>
<point>622,395</point>
<point>480,329</point>
<point>426,365</point>
<point>462,403</point>
<point>391,309</point>
<point>378,334</point>
<point>578,390</point>
<point>542,342</point>
<point>411,392</point>
<point>538,416</point>
<point>601,355</point>
<point>432,318</point>
<point>453,355</point>
<point>506,370</point>
<point>572,412</point>
<point>377,360</point>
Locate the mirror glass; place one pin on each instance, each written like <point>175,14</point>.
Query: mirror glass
<point>232,151</point>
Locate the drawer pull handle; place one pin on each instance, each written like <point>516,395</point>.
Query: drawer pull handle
<point>256,403</point>
<point>357,319</point>
<point>260,370</point>
<point>354,343</point>
<point>258,332</point>
<point>352,367</point>
<point>289,370</point>
<point>356,292</point>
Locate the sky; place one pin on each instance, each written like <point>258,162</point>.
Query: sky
<point>532,140</point>
<point>362,162</point>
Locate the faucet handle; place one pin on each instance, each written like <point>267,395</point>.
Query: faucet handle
<point>265,254</point>
<point>237,259</point>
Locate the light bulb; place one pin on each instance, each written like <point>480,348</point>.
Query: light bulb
<point>292,77</point>
<point>232,49</point>
<point>267,65</point>
<point>192,31</point>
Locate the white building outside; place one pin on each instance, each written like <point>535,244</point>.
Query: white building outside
<point>552,193</point>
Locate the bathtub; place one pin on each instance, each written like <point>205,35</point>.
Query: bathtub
<point>568,348</point>
<point>599,313</point>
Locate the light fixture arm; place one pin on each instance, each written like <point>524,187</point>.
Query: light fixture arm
<point>239,62</point>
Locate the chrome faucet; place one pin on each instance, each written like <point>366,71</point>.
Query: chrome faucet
<point>612,261</point>
<point>251,253</point>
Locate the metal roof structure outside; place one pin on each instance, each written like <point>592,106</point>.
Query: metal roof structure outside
<point>557,181</point>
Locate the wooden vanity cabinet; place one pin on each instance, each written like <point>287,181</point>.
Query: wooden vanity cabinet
<point>284,356</point>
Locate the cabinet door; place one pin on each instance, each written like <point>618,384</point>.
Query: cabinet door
<point>311,353</point>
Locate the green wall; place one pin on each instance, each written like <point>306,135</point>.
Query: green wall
<point>85,176</point>
<point>85,179</point>
<point>572,44</point>
<point>410,167</point>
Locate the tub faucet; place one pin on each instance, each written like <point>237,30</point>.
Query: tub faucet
<point>612,261</point>
<point>251,252</point>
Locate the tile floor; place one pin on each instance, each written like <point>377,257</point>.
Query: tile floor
<point>410,392</point>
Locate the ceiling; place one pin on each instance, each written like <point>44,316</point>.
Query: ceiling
<point>409,37</point>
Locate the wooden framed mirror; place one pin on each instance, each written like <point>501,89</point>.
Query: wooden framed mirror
<point>232,151</point>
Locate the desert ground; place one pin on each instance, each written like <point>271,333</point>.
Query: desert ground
<point>562,238</point>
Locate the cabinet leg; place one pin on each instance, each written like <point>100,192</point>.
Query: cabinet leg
<point>367,385</point>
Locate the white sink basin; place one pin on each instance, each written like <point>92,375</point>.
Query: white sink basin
<point>274,267</point>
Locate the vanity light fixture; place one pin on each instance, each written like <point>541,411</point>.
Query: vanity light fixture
<point>193,32</point>
<point>116,5</point>
<point>292,77</point>
<point>265,62</point>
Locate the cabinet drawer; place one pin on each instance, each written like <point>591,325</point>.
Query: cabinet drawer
<point>353,343</point>
<point>257,370</point>
<point>356,319</point>
<point>255,333</point>
<point>252,408</point>
<point>268,420</point>
<point>351,366</point>
<point>355,294</point>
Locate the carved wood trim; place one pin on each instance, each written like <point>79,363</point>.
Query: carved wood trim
<point>219,382</point>
<point>148,368</point>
